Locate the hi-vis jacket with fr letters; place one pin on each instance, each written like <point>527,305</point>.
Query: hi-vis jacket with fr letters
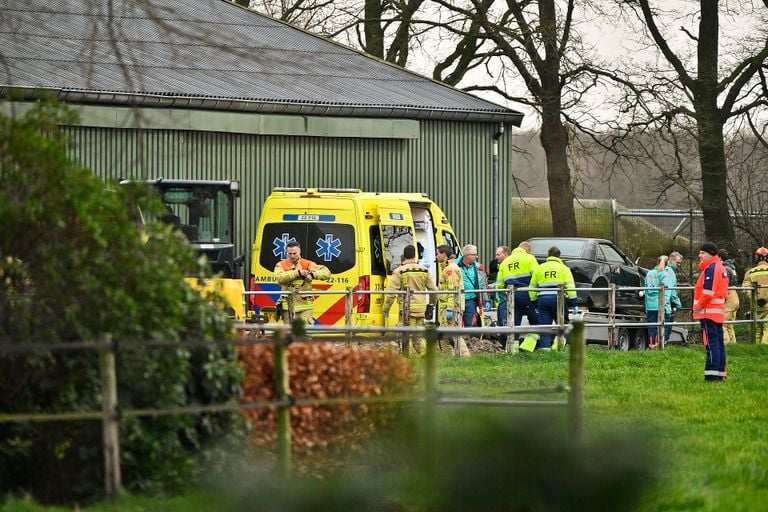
<point>515,270</point>
<point>416,277</point>
<point>710,291</point>
<point>550,275</point>
<point>289,278</point>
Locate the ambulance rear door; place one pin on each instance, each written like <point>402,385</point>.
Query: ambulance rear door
<point>396,228</point>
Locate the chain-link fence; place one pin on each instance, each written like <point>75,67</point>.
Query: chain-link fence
<point>644,234</point>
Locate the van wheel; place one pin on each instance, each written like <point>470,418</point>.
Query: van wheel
<point>622,340</point>
<point>640,339</point>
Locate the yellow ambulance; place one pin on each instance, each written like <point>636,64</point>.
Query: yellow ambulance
<point>358,235</point>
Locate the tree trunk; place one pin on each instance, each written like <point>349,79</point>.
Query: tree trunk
<point>554,140</point>
<point>374,34</point>
<point>718,226</point>
<point>555,144</point>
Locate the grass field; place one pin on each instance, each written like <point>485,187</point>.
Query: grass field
<point>711,438</point>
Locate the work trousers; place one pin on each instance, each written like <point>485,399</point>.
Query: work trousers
<point>417,342</point>
<point>546,314</point>
<point>761,333</point>
<point>470,312</point>
<point>653,330</point>
<point>729,333</point>
<point>712,335</point>
<point>305,315</point>
<point>523,308</point>
<point>458,345</point>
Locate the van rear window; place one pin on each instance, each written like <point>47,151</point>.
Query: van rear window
<point>332,245</point>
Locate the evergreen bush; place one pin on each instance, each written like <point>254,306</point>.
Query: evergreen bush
<point>74,267</point>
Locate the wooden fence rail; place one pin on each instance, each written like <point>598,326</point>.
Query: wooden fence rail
<point>430,398</point>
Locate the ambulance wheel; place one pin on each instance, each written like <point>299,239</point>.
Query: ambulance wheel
<point>640,339</point>
<point>622,340</point>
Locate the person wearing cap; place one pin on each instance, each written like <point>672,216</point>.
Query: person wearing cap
<point>758,276</point>
<point>709,296</point>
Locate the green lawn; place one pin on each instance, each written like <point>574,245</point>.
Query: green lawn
<point>712,438</point>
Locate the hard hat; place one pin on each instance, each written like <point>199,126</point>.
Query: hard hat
<point>761,251</point>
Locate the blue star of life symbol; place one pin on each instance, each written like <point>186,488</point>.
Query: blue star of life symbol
<point>377,249</point>
<point>281,249</point>
<point>328,248</point>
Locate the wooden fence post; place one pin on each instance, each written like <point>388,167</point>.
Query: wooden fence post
<point>612,332</point>
<point>282,395</point>
<point>405,316</point>
<point>512,344</point>
<point>113,484</point>
<point>753,313</point>
<point>560,339</point>
<point>576,362</point>
<point>348,315</point>
<point>430,402</point>
<point>662,305</point>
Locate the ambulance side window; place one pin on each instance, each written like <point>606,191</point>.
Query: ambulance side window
<point>395,240</point>
<point>377,255</point>
<point>449,239</point>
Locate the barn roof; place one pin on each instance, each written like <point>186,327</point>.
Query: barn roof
<point>209,54</point>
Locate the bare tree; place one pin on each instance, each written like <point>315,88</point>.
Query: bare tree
<point>701,86</point>
<point>324,17</point>
<point>538,55</point>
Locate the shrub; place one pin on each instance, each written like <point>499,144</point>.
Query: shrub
<point>325,437</point>
<point>74,267</point>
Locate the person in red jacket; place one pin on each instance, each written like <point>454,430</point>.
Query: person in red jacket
<point>709,296</point>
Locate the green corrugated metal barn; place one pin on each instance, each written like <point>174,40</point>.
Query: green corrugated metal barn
<point>203,89</point>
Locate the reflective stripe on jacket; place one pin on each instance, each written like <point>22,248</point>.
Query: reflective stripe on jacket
<point>416,277</point>
<point>289,279</point>
<point>516,270</point>
<point>451,280</point>
<point>550,275</point>
<point>710,291</point>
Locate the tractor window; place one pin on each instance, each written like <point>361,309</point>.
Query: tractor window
<point>201,213</point>
<point>332,245</point>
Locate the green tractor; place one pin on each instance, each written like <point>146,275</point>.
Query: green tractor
<point>204,211</point>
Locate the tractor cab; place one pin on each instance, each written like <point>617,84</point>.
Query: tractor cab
<point>204,211</point>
